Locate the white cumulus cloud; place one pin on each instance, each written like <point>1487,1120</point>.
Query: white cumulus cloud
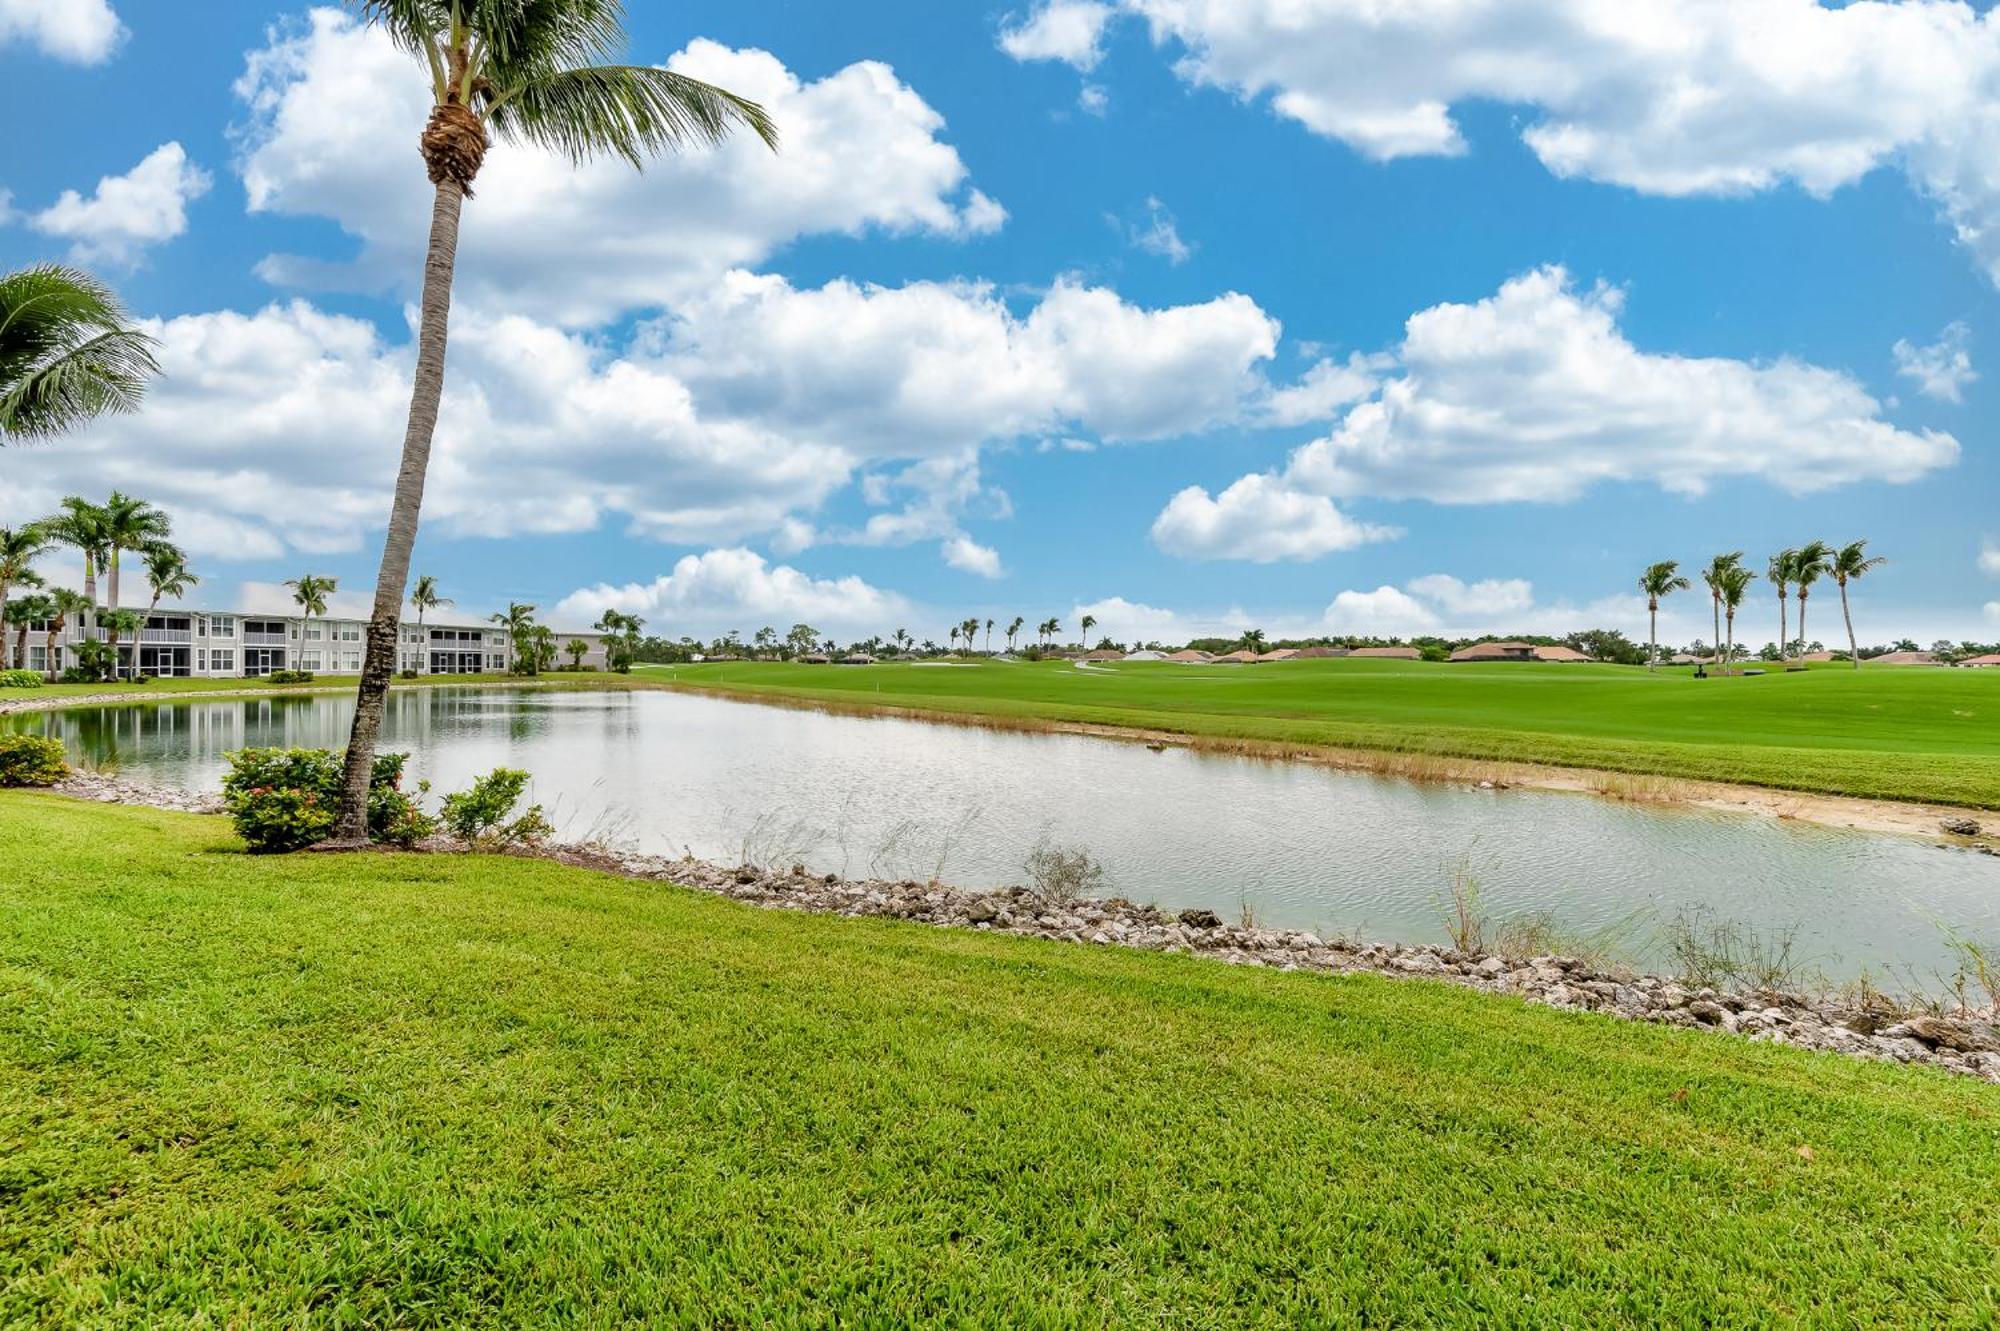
<point>861,152</point>
<point>1536,394</point>
<point>1671,97</point>
<point>1259,519</point>
<point>968,556</point>
<point>83,32</point>
<point>1071,31</point>
<point>1989,560</point>
<point>736,588</point>
<point>1942,369</point>
<point>126,214</point>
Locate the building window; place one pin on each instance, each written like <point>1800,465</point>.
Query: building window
<point>201,658</point>
<point>222,626</point>
<point>309,661</point>
<point>350,633</point>
<point>220,660</point>
<point>312,632</point>
<point>350,662</point>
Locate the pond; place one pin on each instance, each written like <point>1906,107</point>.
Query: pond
<point>1297,844</point>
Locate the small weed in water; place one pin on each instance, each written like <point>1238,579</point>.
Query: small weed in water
<point>1060,875</point>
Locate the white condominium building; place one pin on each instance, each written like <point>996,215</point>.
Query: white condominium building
<point>214,644</point>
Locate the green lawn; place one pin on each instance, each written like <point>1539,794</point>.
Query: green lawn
<point>402,1091</point>
<point>1885,733</point>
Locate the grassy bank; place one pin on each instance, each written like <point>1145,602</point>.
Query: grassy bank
<point>1929,735</point>
<point>424,1090</point>
<point>174,688</point>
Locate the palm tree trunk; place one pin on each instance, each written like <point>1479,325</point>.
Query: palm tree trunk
<point>1783,624</point>
<point>54,645</point>
<point>373,694</point>
<point>1716,650</point>
<point>1853,648</point>
<point>1802,620</point>
<point>1653,637</point>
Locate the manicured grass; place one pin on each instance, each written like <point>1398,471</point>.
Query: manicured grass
<point>1884,733</point>
<point>395,1090</point>
<point>158,687</point>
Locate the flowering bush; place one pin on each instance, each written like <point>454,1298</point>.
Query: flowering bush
<point>287,799</point>
<point>480,814</point>
<point>31,760</point>
<point>20,679</point>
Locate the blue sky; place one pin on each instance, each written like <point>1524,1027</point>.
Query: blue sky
<point>1026,317</point>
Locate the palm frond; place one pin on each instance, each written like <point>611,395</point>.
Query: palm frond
<point>632,110</point>
<point>107,373</point>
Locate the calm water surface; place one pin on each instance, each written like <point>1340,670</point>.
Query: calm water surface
<point>1301,845</point>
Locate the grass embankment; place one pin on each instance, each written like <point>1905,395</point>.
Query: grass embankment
<point>1886,733</point>
<point>174,688</point>
<point>398,1090</point>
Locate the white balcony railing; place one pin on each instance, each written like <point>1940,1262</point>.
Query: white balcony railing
<point>264,640</point>
<point>168,635</point>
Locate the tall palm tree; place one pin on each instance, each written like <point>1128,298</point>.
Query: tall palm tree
<point>1779,571</point>
<point>953,638</point>
<point>1088,622</point>
<point>1714,576</point>
<point>989,637</point>
<point>167,573</point>
<point>80,525</point>
<point>1850,562</point>
<point>1012,629</point>
<point>20,547</point>
<point>530,72</point>
<point>66,353</point>
<point>424,596</point>
<point>310,591</point>
<point>1814,561</point>
<point>68,605</point>
<point>129,524</point>
<point>1735,582</point>
<point>518,618</point>
<point>1661,579</point>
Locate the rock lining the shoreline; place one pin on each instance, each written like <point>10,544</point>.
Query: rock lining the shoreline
<point>1966,1043</point>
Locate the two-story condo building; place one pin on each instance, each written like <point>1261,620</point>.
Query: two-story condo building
<point>214,644</point>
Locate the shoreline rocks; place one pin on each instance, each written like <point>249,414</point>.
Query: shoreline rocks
<point>1869,1026</point>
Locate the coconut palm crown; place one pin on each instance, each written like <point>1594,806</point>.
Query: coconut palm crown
<point>67,354</point>
<point>1813,562</point>
<point>537,72</point>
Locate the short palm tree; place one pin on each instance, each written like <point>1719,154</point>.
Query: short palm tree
<point>1813,561</point>
<point>577,649</point>
<point>20,613</point>
<point>68,605</point>
<point>1850,562</point>
<point>530,71</point>
<point>20,547</point>
<point>1714,576</point>
<point>167,573</point>
<point>1779,571</point>
<point>424,596</point>
<point>1087,623</point>
<point>517,619</point>
<point>67,354</point>
<point>1661,579</point>
<point>1253,640</point>
<point>311,591</point>
<point>1735,583</point>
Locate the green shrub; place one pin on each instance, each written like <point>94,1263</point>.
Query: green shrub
<point>77,675</point>
<point>289,677</point>
<point>287,799</point>
<point>480,814</point>
<point>406,674</point>
<point>20,679</point>
<point>31,760</point>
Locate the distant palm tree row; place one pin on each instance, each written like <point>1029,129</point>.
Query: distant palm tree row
<point>1728,581</point>
<point>103,534</point>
